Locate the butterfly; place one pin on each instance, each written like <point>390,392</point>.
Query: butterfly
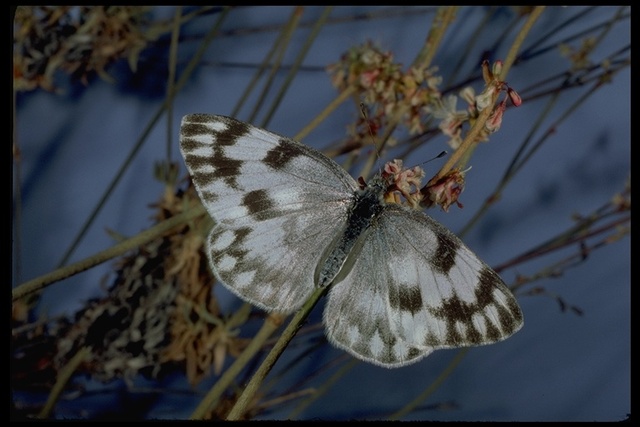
<point>289,220</point>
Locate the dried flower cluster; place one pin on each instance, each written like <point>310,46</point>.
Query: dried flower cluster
<point>76,39</point>
<point>409,97</point>
<point>407,183</point>
<point>200,336</point>
<point>127,329</point>
<point>444,191</point>
<point>452,120</point>
<point>404,182</point>
<point>159,310</point>
<point>385,87</point>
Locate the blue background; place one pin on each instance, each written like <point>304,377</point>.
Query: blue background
<point>560,366</point>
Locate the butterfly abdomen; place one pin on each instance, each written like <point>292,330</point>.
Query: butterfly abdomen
<point>367,205</point>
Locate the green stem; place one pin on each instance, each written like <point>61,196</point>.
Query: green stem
<point>287,335</point>
<point>296,65</point>
<point>173,60</point>
<point>333,105</point>
<point>444,17</point>
<point>320,391</point>
<point>433,387</point>
<point>279,47</point>
<point>271,324</point>
<point>517,43</point>
<point>146,236</point>
<point>147,131</point>
<point>471,138</point>
<point>63,378</point>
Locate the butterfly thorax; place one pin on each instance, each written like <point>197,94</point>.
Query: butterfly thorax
<point>367,204</point>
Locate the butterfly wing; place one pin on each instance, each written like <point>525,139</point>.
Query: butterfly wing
<point>277,205</point>
<point>414,287</point>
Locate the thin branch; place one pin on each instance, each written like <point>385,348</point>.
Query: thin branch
<point>121,248</point>
<point>142,139</point>
<point>287,335</point>
<point>63,378</point>
<point>271,324</point>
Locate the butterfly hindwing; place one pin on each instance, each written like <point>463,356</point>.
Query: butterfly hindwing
<point>277,205</point>
<point>428,291</point>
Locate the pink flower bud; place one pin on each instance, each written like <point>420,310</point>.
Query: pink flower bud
<point>495,120</point>
<point>515,98</point>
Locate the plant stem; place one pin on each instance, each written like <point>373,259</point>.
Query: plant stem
<point>287,335</point>
<point>63,378</point>
<point>271,324</point>
<point>432,387</point>
<point>146,236</point>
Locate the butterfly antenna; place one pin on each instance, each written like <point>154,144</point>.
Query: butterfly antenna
<point>442,154</point>
<point>363,110</point>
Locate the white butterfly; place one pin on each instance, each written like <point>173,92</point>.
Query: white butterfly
<point>289,219</point>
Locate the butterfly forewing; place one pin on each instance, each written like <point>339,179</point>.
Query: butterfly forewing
<point>277,205</point>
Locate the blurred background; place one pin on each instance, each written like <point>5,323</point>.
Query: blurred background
<point>96,161</point>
